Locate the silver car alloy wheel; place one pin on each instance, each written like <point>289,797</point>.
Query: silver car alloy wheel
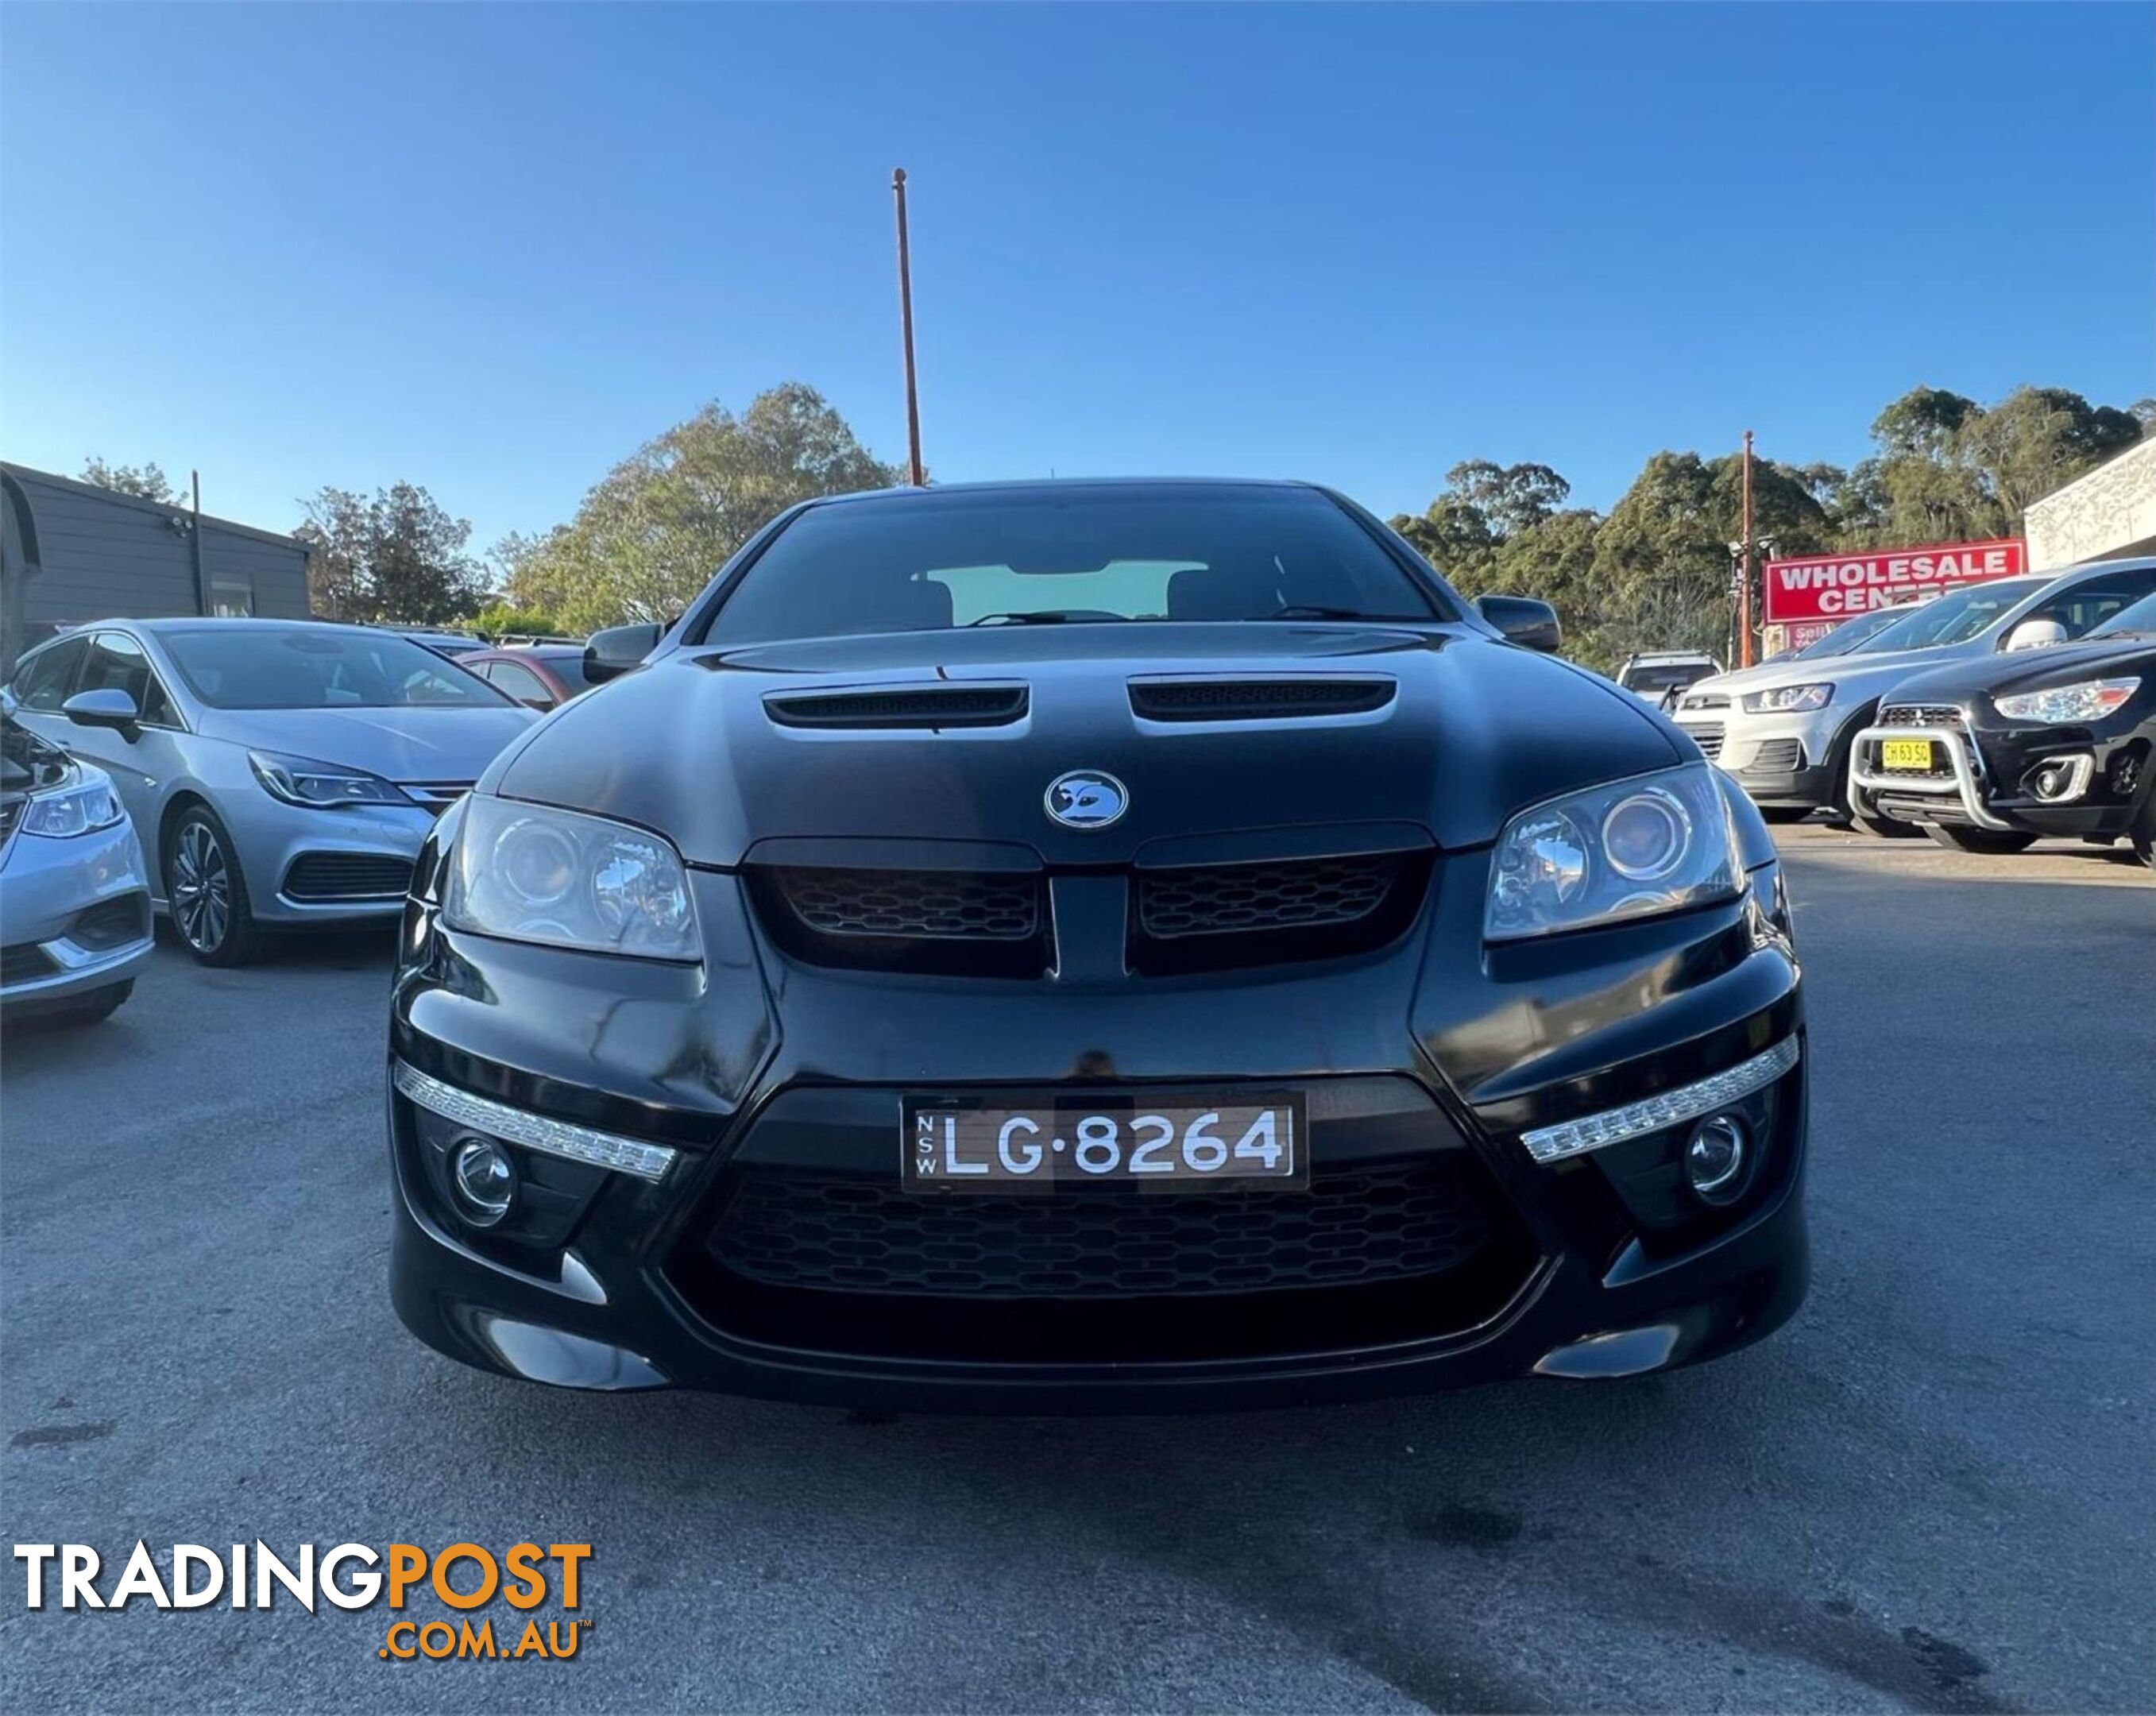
<point>202,887</point>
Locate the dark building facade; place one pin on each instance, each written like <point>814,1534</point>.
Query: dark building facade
<point>70,552</point>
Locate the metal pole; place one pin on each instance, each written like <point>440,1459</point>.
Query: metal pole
<point>914,473</point>
<point>1745,570</point>
<point>202,586</point>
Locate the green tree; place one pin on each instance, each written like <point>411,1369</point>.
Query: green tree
<point>498,619</point>
<point>2037,439</point>
<point>146,481</point>
<point>395,556</point>
<point>656,528</point>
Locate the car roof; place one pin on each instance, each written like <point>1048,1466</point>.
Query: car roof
<point>202,623</point>
<point>1046,487</point>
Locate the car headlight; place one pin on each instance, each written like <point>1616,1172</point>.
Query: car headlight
<point>534,874</point>
<point>1634,848</point>
<point>2086,700</point>
<point>73,810</point>
<point>1789,700</point>
<point>321,785</point>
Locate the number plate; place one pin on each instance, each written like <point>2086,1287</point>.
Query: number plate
<point>1914,754</point>
<point>1009,1143</point>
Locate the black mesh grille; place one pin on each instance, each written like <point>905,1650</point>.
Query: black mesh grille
<point>1236,898</point>
<point>1776,757</point>
<point>25,962</point>
<point>932,705</point>
<point>1709,739</point>
<point>914,904</point>
<point>1256,700</point>
<point>347,876</point>
<point>1382,1222</point>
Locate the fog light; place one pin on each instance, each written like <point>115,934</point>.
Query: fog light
<point>484,1178</point>
<point>1715,1158</point>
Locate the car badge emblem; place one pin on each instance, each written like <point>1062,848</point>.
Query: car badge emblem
<point>1087,799</point>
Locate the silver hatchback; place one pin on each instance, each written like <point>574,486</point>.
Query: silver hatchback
<point>282,774</point>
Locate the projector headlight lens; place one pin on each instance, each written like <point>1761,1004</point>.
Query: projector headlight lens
<point>532,873</point>
<point>1661,843</point>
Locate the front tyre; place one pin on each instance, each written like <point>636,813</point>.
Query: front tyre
<point>207,893</point>
<point>1979,840</point>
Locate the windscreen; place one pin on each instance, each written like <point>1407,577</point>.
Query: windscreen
<point>1850,633</point>
<point>925,562</point>
<point>301,667</point>
<point>1954,619</point>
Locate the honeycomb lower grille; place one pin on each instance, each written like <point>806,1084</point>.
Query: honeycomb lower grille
<point>1776,757</point>
<point>1243,898</point>
<point>317,876</point>
<point>1377,1223</point>
<point>914,904</point>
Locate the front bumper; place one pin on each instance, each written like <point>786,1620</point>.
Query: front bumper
<point>1783,760</point>
<point>1429,1058</point>
<point>307,867</point>
<point>74,915</point>
<point>1988,781</point>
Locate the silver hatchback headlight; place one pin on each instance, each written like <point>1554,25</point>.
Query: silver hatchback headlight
<point>1634,848</point>
<point>532,873</point>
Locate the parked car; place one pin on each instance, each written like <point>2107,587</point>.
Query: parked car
<point>1095,944</point>
<point>1987,755</point>
<point>452,645</point>
<point>1655,676</point>
<point>74,897</point>
<point>1846,637</point>
<point>538,675</point>
<point>1785,731</point>
<point>283,772</point>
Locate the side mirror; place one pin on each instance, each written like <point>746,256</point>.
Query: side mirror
<point>1524,621</point>
<point>109,708</point>
<point>2035,634</point>
<point>619,649</point>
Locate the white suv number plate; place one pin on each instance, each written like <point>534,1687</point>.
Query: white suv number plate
<point>1184,1144</point>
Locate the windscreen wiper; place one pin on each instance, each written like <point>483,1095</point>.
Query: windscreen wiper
<point>1042,616</point>
<point>1317,610</point>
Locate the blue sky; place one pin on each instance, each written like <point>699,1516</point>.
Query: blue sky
<point>492,249</point>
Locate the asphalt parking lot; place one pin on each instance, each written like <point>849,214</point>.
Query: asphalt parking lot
<point>1935,1491</point>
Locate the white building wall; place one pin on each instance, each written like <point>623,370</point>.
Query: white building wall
<point>2110,512</point>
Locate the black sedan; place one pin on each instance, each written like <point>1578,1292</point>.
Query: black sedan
<point>1988,755</point>
<point>1095,946</point>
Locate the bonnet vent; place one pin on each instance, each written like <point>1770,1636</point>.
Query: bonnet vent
<point>1256,699</point>
<point>901,707</point>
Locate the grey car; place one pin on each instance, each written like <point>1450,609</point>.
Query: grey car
<point>74,897</point>
<point>282,774</point>
<point>1785,730</point>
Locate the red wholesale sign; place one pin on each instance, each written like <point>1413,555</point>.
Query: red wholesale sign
<point>1834,586</point>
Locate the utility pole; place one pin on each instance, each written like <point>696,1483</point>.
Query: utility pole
<point>201,582</point>
<point>1745,567</point>
<point>914,473</point>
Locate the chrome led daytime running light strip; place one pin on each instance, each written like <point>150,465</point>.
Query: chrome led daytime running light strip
<point>535,1131</point>
<point>1613,1125</point>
